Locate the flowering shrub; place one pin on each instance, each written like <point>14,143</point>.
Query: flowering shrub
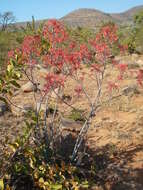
<point>64,59</point>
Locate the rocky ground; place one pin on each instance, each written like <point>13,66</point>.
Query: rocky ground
<point>116,133</point>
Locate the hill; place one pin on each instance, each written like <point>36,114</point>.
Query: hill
<point>94,18</point>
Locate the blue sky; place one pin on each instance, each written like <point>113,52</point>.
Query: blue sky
<point>40,9</point>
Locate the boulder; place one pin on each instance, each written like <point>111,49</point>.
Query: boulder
<point>29,87</point>
<point>133,89</point>
<point>71,125</point>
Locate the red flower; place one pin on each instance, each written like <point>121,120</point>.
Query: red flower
<point>11,54</point>
<point>122,67</point>
<point>78,90</point>
<point>53,81</point>
<point>54,31</point>
<point>112,86</point>
<point>140,77</point>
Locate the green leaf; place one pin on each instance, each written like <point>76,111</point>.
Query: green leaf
<point>1,184</point>
<point>18,74</point>
<point>56,187</point>
<point>85,184</point>
<point>27,124</point>
<point>1,79</point>
<point>31,164</point>
<point>14,83</point>
<point>12,62</point>
<point>41,180</point>
<point>16,57</point>
<point>10,67</point>
<point>13,146</point>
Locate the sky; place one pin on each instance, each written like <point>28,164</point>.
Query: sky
<point>43,9</point>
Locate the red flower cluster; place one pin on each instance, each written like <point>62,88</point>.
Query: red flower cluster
<point>112,86</point>
<point>122,69</point>
<point>11,54</point>
<point>31,47</point>
<point>109,33</point>
<point>53,81</point>
<point>78,89</point>
<point>84,52</point>
<point>55,57</point>
<point>59,53</point>
<point>54,31</point>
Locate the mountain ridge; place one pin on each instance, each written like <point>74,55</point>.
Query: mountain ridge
<point>93,17</point>
<point>86,17</point>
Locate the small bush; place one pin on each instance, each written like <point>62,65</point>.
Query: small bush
<point>77,115</point>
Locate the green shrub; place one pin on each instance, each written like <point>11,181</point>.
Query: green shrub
<point>133,35</point>
<point>77,115</point>
<point>8,40</point>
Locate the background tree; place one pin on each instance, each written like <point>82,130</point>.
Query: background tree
<point>6,19</point>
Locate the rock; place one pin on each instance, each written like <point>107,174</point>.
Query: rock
<point>71,125</point>
<point>28,87</point>
<point>27,108</point>
<point>140,62</point>
<point>133,110</point>
<point>135,56</point>
<point>42,71</point>
<point>105,118</point>
<point>3,108</point>
<point>133,89</point>
<point>20,110</point>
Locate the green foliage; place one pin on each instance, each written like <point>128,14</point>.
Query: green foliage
<point>81,34</point>
<point>133,36</point>
<point>138,18</point>
<point>39,166</point>
<point>127,37</point>
<point>77,115</point>
<point>9,81</point>
<point>8,40</point>
<point>11,39</point>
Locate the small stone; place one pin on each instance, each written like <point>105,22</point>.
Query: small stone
<point>28,87</point>
<point>133,110</point>
<point>140,62</point>
<point>27,107</point>
<point>71,125</point>
<point>105,118</point>
<point>3,108</point>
